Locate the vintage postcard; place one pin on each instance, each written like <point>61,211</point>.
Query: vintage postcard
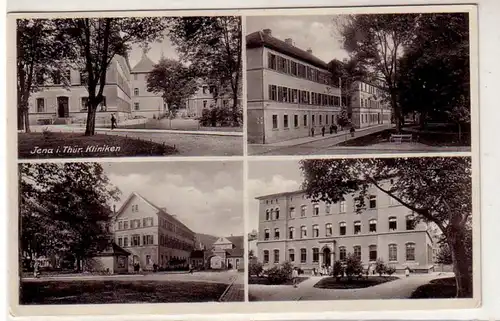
<point>324,160</point>
<point>128,86</point>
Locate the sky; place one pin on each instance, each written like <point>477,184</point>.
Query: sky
<point>315,32</point>
<point>205,196</point>
<point>269,177</point>
<point>154,52</point>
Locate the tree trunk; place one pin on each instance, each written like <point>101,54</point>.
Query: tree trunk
<point>236,121</point>
<point>20,118</point>
<point>90,127</point>
<point>26,117</point>
<point>461,265</point>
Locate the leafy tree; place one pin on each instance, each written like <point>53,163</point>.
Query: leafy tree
<point>213,45</point>
<point>41,52</point>
<point>353,266</point>
<point>338,270</point>
<point>437,190</point>
<point>171,79</point>
<point>255,268</point>
<point>376,42</point>
<point>64,207</point>
<point>380,267</point>
<point>97,41</point>
<point>390,270</point>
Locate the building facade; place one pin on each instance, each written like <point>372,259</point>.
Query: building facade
<point>226,253</point>
<point>289,91</point>
<point>367,106</point>
<point>62,96</point>
<point>151,235</point>
<point>293,228</point>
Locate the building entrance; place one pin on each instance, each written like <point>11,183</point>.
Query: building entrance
<point>327,256</point>
<point>62,107</point>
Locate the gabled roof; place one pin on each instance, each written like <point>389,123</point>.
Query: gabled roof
<point>260,39</point>
<point>159,210</point>
<point>145,65</point>
<point>113,250</point>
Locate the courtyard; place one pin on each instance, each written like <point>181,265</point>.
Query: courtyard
<point>223,286</point>
<point>401,288</point>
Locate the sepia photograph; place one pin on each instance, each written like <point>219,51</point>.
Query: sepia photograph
<point>136,86</point>
<point>358,84</point>
<point>360,229</point>
<point>103,233</point>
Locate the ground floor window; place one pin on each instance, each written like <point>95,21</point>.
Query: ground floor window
<point>303,256</point>
<point>373,252</point>
<point>136,106</point>
<point>148,260</point>
<point>276,256</point>
<point>342,253</point>
<point>305,120</point>
<point>275,121</point>
<point>40,105</point>
<point>315,255</point>
<point>296,120</point>
<point>410,251</point>
<point>291,255</point>
<point>266,256</point>
<point>393,252</point>
<point>357,252</point>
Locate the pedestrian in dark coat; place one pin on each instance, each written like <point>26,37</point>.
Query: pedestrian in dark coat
<point>113,121</point>
<point>323,131</point>
<point>331,129</point>
<point>312,132</point>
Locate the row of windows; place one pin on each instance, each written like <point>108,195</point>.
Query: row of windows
<point>164,240</point>
<point>296,123</point>
<point>135,240</point>
<point>296,96</point>
<point>372,253</point>
<point>368,102</point>
<point>299,70</point>
<point>175,228</point>
<point>274,213</point>
<point>372,228</point>
<point>40,104</point>
<point>370,118</point>
<point>369,89</point>
<point>136,223</point>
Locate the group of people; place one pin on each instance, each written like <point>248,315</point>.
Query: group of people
<point>324,270</point>
<point>333,130</point>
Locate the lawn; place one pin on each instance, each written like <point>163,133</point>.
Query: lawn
<point>262,280</point>
<point>70,145</point>
<point>436,289</point>
<point>106,292</point>
<point>343,283</point>
<point>180,124</point>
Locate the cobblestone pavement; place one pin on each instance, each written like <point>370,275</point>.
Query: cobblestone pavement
<point>398,289</point>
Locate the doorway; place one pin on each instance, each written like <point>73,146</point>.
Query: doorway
<point>62,107</point>
<point>327,256</point>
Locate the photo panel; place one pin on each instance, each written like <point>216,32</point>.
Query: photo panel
<point>101,233</point>
<point>360,229</point>
<point>127,86</point>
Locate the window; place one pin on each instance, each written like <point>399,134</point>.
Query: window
<point>125,225</point>
<point>357,227</point>
<point>393,223</point>
<point>120,225</point>
<point>315,255</point>
<point>357,251</point>
<point>313,120</point>
<point>316,210</point>
<point>84,103</point>
<point>321,119</point>
<point>267,215</point>
<point>147,239</point>
<point>276,256</point>
<point>327,208</point>
<point>276,233</point>
<point>373,252</point>
<point>277,214</point>
<point>204,104</point>
<point>373,225</point>
<point>291,255</point>
<point>136,91</point>
<point>303,231</point>
<point>83,78</point>
<point>315,230</point>
<point>136,106</point>
<point>410,251</point>
<point>266,256</point>
<point>120,241</point>
<point>291,232</point>
<point>148,221</point>
<point>275,121</point>
<point>266,234</point>
<point>295,121</point>
<point>136,240</point>
<point>328,229</point>
<point>40,105</point>
<point>393,252</point>
<point>410,223</point>
<point>342,206</point>
<point>342,226</point>
<point>373,201</point>
<point>336,100</point>
<point>305,120</point>
<point>204,88</point>
<point>303,210</point>
<point>135,76</point>
<point>272,93</point>
<point>303,256</point>
<point>285,121</point>
<point>292,212</point>
<point>271,61</point>
<point>125,241</point>
<point>342,253</point>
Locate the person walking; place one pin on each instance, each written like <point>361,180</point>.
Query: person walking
<point>335,128</point>
<point>331,129</point>
<point>312,131</point>
<point>113,121</point>
<point>295,276</point>
<point>323,131</point>
<point>407,272</point>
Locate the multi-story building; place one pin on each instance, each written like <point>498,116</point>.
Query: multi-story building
<point>289,90</point>
<point>63,95</point>
<point>223,253</point>
<point>151,234</point>
<point>367,106</point>
<point>309,235</point>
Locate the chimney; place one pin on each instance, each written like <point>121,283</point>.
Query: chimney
<point>267,32</point>
<point>289,41</point>
<point>114,209</point>
<point>309,51</point>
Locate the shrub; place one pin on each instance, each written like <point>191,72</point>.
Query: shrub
<point>255,268</point>
<point>337,270</point>
<point>390,270</point>
<point>380,267</point>
<point>47,134</point>
<point>280,274</point>
<point>353,266</point>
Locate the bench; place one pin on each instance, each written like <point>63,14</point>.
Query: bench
<point>399,138</point>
